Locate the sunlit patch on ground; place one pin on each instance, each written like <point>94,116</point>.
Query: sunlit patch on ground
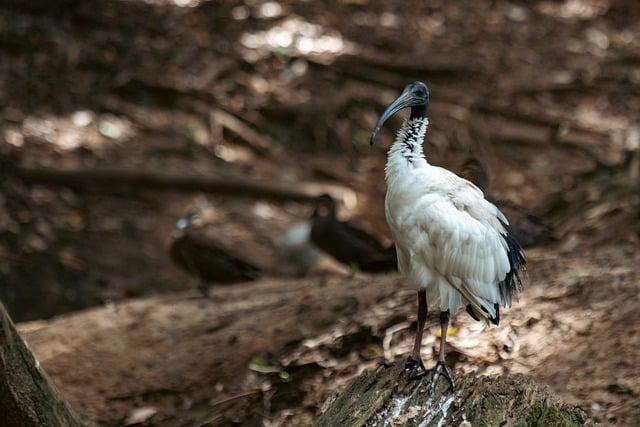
<point>80,129</point>
<point>295,35</point>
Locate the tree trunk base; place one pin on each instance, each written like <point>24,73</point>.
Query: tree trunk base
<point>387,397</point>
<point>26,396</point>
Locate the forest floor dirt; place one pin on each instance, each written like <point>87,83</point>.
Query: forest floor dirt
<point>546,94</point>
<point>275,350</point>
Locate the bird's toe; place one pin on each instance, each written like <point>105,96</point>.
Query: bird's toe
<point>442,370</point>
<point>415,366</point>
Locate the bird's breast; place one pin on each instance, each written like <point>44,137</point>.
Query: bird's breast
<point>399,214</point>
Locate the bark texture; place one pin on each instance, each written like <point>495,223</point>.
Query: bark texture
<point>27,398</point>
<point>386,397</point>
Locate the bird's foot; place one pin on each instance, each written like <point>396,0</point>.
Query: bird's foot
<point>441,369</point>
<point>204,289</point>
<point>414,365</point>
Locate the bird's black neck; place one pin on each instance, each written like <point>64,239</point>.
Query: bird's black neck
<point>419,111</point>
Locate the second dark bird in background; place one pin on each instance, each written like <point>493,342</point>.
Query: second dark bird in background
<point>528,229</point>
<point>209,260</point>
<point>347,243</point>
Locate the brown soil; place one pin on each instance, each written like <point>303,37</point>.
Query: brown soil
<point>277,349</point>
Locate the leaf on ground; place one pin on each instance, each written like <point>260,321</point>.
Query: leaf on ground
<point>140,415</point>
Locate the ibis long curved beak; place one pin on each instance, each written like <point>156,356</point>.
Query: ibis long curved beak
<point>405,100</point>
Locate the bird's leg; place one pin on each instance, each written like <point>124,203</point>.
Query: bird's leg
<point>441,366</point>
<point>444,328</point>
<point>414,363</point>
<point>203,287</point>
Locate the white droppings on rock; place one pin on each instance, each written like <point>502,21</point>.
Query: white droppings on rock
<point>397,405</point>
<point>439,409</point>
<point>396,408</point>
<point>445,408</point>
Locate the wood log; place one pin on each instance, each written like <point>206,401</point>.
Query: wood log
<point>27,398</point>
<point>126,179</point>
<point>387,397</point>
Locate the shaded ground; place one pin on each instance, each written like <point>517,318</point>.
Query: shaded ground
<point>206,346</point>
<point>279,356</point>
<point>545,93</point>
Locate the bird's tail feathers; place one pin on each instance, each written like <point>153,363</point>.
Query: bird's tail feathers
<point>482,308</point>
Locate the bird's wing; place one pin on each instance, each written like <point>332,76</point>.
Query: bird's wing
<point>462,245</point>
<point>468,244</point>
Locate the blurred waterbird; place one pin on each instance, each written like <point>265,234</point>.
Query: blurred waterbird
<point>207,260</point>
<point>452,244</point>
<point>295,248</point>
<point>347,243</point>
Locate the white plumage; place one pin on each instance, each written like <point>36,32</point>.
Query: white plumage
<point>453,245</point>
<point>450,239</point>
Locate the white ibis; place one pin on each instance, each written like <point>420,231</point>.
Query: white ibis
<point>208,260</point>
<point>452,244</point>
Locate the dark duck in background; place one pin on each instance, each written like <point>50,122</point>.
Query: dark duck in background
<point>210,261</point>
<point>347,243</point>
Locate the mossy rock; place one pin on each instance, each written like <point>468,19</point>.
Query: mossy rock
<point>387,397</point>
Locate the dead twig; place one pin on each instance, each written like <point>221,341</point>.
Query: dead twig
<point>235,397</point>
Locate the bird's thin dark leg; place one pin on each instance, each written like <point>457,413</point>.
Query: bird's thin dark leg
<point>444,328</point>
<point>441,368</point>
<point>415,361</point>
<point>422,318</point>
<point>203,287</point>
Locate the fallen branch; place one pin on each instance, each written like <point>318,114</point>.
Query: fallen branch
<point>127,179</point>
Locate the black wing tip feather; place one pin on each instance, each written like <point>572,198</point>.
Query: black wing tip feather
<point>511,286</point>
<point>472,313</point>
<point>495,320</point>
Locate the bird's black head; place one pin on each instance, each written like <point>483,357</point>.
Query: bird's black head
<point>474,171</point>
<point>414,95</point>
<point>325,206</point>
